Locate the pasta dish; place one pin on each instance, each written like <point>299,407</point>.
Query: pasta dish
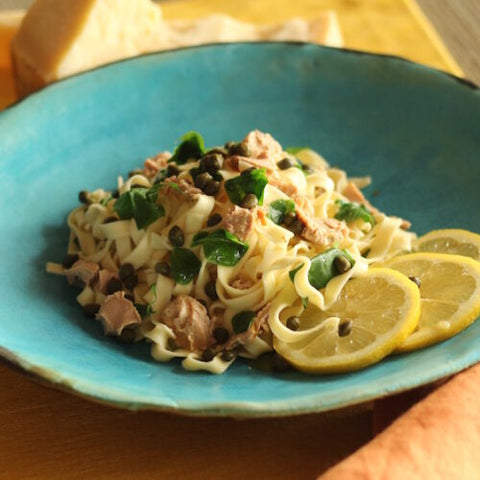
<point>214,254</point>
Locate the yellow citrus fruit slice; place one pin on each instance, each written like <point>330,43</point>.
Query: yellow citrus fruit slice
<point>449,291</point>
<point>453,241</point>
<point>374,313</point>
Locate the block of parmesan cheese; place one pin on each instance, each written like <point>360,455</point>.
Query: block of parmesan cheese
<point>59,38</point>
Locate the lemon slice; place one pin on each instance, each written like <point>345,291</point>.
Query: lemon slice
<point>450,295</point>
<point>374,313</point>
<point>453,241</point>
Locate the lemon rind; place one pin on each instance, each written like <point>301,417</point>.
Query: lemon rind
<point>432,336</point>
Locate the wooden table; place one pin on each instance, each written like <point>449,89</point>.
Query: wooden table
<point>48,434</point>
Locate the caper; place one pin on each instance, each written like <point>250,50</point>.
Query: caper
<point>110,219</point>
<point>211,290</point>
<point>249,201</point>
<point>130,297</point>
<point>116,193</point>
<point>228,355</point>
<point>127,335</point>
<point>91,309</point>
<point>211,162</point>
<point>240,149</point>
<point>172,344</point>
<point>126,270</point>
<point>342,264</point>
<point>78,283</point>
<point>416,280</point>
<point>176,236</point>
<point>83,197</point>
<point>297,227</point>
<point>221,335</point>
<point>208,355</point>
<point>219,150</point>
<point>214,219</point>
<point>202,179</point>
<point>307,168</point>
<point>163,268</point>
<point>69,260</point>
<point>248,170</point>
<point>172,171</point>
<point>293,323</point>
<point>211,188</point>
<point>289,218</point>
<point>285,164</point>
<point>131,282</point>
<point>114,285</point>
<point>345,328</point>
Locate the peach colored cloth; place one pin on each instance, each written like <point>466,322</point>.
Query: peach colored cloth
<point>438,438</point>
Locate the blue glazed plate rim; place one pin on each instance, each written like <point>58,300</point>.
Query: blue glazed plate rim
<point>281,408</point>
<point>348,51</point>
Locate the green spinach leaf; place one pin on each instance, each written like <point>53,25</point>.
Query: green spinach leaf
<point>221,247</point>
<point>241,321</point>
<point>322,268</point>
<point>185,265</point>
<point>350,211</point>
<point>139,204</point>
<point>279,208</point>
<point>192,146</point>
<point>249,181</point>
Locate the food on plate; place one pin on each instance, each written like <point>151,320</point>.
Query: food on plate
<point>57,39</point>
<point>449,288</point>
<point>248,248</point>
<point>454,241</point>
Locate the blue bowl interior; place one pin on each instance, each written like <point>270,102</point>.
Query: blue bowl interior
<point>413,129</point>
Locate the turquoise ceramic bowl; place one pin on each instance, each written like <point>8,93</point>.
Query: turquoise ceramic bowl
<point>413,129</point>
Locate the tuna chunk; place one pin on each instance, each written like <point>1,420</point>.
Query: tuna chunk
<point>153,165</point>
<point>183,188</point>
<point>322,232</point>
<point>238,221</point>
<point>288,188</point>
<point>238,163</point>
<point>264,153</point>
<point>116,313</point>
<point>104,277</point>
<point>263,145</point>
<point>82,273</point>
<point>190,322</point>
